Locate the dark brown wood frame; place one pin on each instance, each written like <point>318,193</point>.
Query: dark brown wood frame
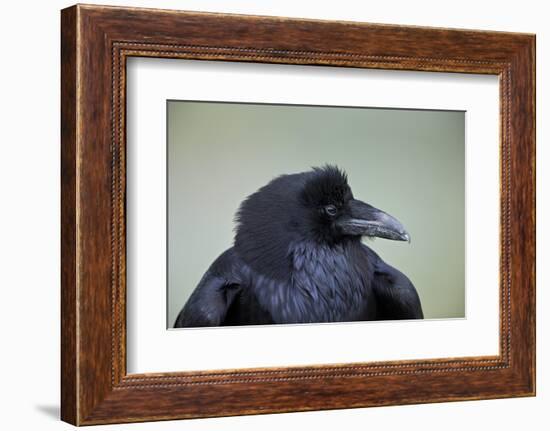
<point>95,43</point>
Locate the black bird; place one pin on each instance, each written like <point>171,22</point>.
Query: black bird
<point>298,258</point>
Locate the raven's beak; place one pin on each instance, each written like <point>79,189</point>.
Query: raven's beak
<point>365,220</point>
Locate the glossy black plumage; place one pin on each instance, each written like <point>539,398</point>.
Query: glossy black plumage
<point>298,258</point>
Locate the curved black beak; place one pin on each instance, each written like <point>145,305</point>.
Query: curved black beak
<point>366,220</point>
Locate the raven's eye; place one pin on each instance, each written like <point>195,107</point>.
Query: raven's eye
<point>331,210</point>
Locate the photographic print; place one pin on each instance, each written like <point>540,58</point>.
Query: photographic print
<point>297,214</point>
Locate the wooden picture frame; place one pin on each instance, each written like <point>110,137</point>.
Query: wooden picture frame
<point>95,43</point>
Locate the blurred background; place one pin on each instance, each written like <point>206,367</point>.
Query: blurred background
<point>409,163</point>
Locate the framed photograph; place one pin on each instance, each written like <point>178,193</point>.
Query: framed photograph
<point>264,214</point>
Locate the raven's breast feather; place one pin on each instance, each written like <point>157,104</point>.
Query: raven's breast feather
<point>325,284</point>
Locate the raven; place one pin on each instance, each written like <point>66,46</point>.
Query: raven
<point>298,258</point>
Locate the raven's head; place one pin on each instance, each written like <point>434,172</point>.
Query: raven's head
<point>335,215</point>
<point>317,206</point>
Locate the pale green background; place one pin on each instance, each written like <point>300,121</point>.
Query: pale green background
<point>409,163</point>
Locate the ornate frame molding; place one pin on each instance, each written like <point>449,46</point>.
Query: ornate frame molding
<point>96,41</point>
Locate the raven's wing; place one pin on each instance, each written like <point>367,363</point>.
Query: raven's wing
<point>214,295</point>
<point>396,296</point>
